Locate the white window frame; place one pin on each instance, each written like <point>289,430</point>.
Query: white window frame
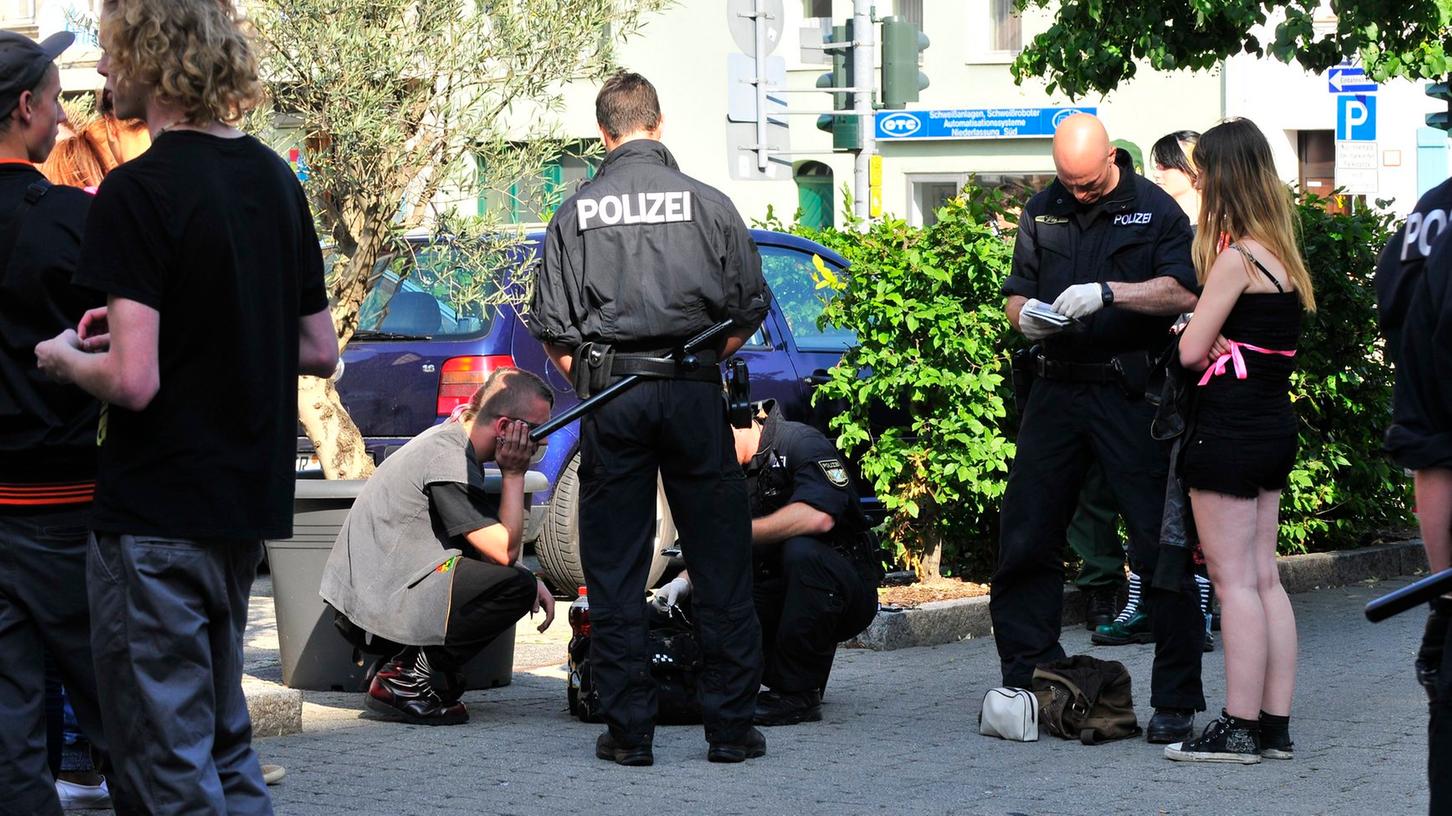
<point>980,32</point>
<point>915,208</point>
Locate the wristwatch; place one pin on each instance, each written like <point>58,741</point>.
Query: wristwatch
<point>1106,293</point>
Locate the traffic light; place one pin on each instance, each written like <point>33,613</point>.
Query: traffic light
<point>846,130</point>
<point>901,79</point>
<point>1443,119</point>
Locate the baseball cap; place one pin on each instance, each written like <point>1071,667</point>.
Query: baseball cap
<point>23,62</point>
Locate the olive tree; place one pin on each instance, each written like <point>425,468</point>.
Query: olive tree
<point>1093,46</point>
<point>398,100</point>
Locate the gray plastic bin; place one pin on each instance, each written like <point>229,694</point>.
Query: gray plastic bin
<point>314,655</point>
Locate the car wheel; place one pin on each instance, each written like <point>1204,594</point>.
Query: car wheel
<point>558,546</point>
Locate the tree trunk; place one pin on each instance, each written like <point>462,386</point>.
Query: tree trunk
<point>929,564</point>
<point>336,439</point>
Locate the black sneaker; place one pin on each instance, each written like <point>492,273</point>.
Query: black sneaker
<point>1170,725</point>
<point>1275,737</point>
<point>1100,606</point>
<point>1225,739</point>
<point>750,746</point>
<point>787,708</point>
<point>635,756</point>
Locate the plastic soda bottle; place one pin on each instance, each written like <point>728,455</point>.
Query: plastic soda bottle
<point>580,615</point>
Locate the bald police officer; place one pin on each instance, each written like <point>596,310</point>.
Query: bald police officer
<point>1111,250</point>
<point>638,261</point>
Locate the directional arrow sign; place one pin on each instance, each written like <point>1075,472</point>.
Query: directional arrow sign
<point>1348,79</point>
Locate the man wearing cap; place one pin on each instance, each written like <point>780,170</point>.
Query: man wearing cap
<point>47,431</point>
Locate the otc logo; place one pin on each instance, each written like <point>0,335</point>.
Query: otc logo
<point>1062,115</point>
<point>901,124</point>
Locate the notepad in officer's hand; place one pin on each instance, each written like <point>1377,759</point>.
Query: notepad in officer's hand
<point>1045,313</point>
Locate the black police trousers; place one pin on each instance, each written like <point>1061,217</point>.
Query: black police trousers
<point>676,428</point>
<point>808,601</point>
<point>1064,426</point>
<point>1439,737</point>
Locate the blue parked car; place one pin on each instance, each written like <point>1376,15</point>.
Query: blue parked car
<point>415,357</point>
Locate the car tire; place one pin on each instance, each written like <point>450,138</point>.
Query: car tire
<point>558,546</point>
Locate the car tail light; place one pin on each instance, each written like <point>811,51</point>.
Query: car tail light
<point>462,376</point>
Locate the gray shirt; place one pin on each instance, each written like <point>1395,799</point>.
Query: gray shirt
<point>384,572</point>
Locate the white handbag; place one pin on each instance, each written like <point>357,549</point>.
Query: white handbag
<point>1010,713</point>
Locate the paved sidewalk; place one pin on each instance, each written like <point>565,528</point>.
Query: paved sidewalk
<point>899,737</point>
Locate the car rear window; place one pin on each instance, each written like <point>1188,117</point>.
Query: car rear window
<point>429,292</point>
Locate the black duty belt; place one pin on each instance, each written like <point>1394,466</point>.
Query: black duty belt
<point>1066,371</point>
<point>666,368</point>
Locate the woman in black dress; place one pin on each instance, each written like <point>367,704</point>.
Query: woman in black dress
<point>1243,440</point>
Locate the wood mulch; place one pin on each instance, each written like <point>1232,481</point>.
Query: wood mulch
<point>942,589</point>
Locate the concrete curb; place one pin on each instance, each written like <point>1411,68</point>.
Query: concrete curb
<point>275,709</point>
<point>939,622</point>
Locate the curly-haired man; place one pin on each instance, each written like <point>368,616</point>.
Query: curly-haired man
<point>206,250</point>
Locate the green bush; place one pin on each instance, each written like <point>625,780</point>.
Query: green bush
<point>925,307</point>
<point>1343,490</point>
<point>934,343</point>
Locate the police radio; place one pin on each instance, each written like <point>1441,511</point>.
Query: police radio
<point>738,393</point>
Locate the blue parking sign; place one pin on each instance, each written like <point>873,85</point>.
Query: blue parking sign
<point>1356,117</point>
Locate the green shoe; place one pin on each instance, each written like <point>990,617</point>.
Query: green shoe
<point>1134,629</point>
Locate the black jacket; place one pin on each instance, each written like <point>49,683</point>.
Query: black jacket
<point>797,463</point>
<point>1421,433</point>
<point>1399,268</point>
<point>1135,233</point>
<point>645,256</point>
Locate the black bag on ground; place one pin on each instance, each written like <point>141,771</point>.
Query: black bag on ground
<point>675,664</point>
<point>1086,699</point>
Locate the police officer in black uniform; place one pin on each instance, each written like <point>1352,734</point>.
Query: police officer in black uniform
<point>1112,250</point>
<point>817,564</point>
<point>1414,299</point>
<point>637,262</point>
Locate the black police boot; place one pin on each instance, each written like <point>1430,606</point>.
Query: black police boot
<point>751,745</point>
<point>635,756</point>
<point>787,708</point>
<point>1100,606</point>
<point>1170,725</point>
<point>1275,737</point>
<point>404,692</point>
<point>1226,739</point>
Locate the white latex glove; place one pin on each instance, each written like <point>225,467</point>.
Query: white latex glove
<point>676,590</point>
<point>1080,300</point>
<point>1032,327</point>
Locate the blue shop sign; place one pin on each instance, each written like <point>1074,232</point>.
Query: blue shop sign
<point>973,123</point>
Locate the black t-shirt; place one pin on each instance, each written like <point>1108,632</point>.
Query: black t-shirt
<point>216,235</point>
<point>460,509</point>
<point>47,430</point>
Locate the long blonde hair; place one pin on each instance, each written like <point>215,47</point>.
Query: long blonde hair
<point>1242,197</point>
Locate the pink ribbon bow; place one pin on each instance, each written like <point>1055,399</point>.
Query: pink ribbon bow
<point>1234,356</point>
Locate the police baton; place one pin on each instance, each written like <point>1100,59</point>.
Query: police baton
<point>623,384</point>
<point>1414,594</point>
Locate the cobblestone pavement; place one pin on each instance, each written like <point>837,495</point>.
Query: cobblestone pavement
<point>899,737</point>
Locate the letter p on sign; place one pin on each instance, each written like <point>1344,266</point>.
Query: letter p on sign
<point>1356,117</point>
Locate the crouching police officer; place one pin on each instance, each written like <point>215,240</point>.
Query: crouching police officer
<point>427,566</point>
<point>1111,250</point>
<point>641,259</point>
<point>817,566</point>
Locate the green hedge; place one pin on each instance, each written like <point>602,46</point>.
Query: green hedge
<point>934,343</point>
